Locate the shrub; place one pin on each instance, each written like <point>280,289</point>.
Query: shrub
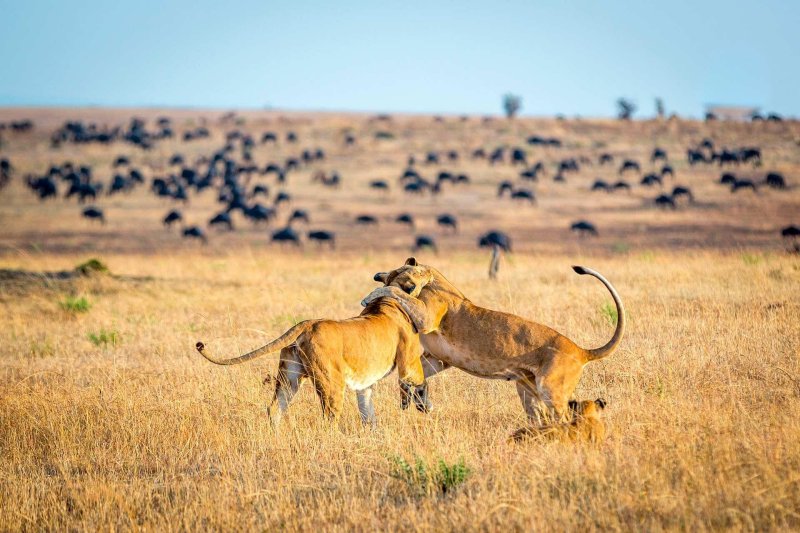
<point>74,304</point>
<point>104,338</point>
<point>91,266</point>
<point>430,479</point>
<point>609,311</point>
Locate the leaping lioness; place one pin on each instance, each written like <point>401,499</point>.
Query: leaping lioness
<point>545,365</point>
<point>354,353</point>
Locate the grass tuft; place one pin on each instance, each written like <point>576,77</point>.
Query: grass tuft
<point>426,479</point>
<point>104,338</point>
<point>75,304</point>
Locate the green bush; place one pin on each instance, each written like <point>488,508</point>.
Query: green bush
<point>609,311</point>
<point>74,304</point>
<point>104,338</point>
<point>91,266</point>
<point>430,479</point>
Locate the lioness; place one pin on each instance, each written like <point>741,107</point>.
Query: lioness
<point>545,365</point>
<point>354,353</point>
<point>585,424</point>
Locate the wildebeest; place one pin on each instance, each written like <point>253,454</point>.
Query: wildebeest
<point>792,234</point>
<point>405,218</point>
<point>743,184</point>
<point>775,181</point>
<point>194,232</point>
<point>651,179</point>
<point>518,156</point>
<point>299,214</point>
<point>667,169</point>
<point>45,187</point>
<point>379,185</point>
<point>727,179</point>
<point>425,241</point>
<point>695,156</point>
<point>447,220</point>
<point>583,227</point>
<point>94,213</point>
<point>600,185</point>
<point>658,153</point>
<point>680,191</point>
<point>606,158</point>
<point>258,213</point>
<point>282,197</point>
<point>322,237</point>
<point>495,238</point>
<point>664,201</point>
<point>172,217</point>
<point>621,186</point>
<point>221,219</point>
<point>366,220</point>
<point>524,194</point>
<point>503,187</point>
<point>286,234</point>
<point>259,190</point>
<point>629,164</point>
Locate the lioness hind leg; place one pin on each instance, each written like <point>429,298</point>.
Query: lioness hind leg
<point>331,395</point>
<point>291,373</point>
<point>529,397</point>
<point>365,406</point>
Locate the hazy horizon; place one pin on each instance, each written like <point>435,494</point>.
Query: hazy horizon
<point>448,58</point>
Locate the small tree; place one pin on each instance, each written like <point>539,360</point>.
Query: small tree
<point>660,108</point>
<point>625,109</point>
<point>512,104</point>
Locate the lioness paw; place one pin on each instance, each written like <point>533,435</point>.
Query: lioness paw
<point>380,292</point>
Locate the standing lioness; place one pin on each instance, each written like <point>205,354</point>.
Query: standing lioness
<point>354,353</point>
<point>545,365</point>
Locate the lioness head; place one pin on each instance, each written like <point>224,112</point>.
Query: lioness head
<point>410,278</point>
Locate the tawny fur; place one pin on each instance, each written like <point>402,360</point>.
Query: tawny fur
<point>585,425</point>
<point>336,354</point>
<point>544,364</point>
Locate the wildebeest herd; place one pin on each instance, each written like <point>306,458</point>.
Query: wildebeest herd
<point>279,176</point>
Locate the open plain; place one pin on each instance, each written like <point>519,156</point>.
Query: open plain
<point>109,419</point>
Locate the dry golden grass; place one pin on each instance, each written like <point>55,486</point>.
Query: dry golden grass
<point>144,433</point>
<point>110,420</point>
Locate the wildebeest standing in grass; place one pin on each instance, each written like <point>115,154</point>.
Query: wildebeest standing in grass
<point>94,213</point>
<point>287,235</point>
<point>425,241</point>
<point>584,228</point>
<point>322,237</point>
<point>196,233</point>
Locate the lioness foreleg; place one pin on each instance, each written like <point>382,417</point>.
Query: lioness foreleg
<point>411,374</point>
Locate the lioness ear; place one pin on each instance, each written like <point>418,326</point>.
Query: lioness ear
<point>381,277</point>
<point>411,261</point>
<point>601,403</point>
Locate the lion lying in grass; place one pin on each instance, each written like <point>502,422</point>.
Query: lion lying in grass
<point>584,425</point>
<point>354,353</point>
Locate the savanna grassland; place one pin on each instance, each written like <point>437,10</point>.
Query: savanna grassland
<point>109,419</point>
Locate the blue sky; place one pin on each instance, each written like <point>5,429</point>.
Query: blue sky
<point>570,57</point>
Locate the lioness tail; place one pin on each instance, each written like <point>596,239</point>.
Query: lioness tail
<point>610,346</point>
<point>284,340</point>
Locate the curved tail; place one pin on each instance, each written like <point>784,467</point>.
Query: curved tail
<point>609,347</point>
<point>279,343</point>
